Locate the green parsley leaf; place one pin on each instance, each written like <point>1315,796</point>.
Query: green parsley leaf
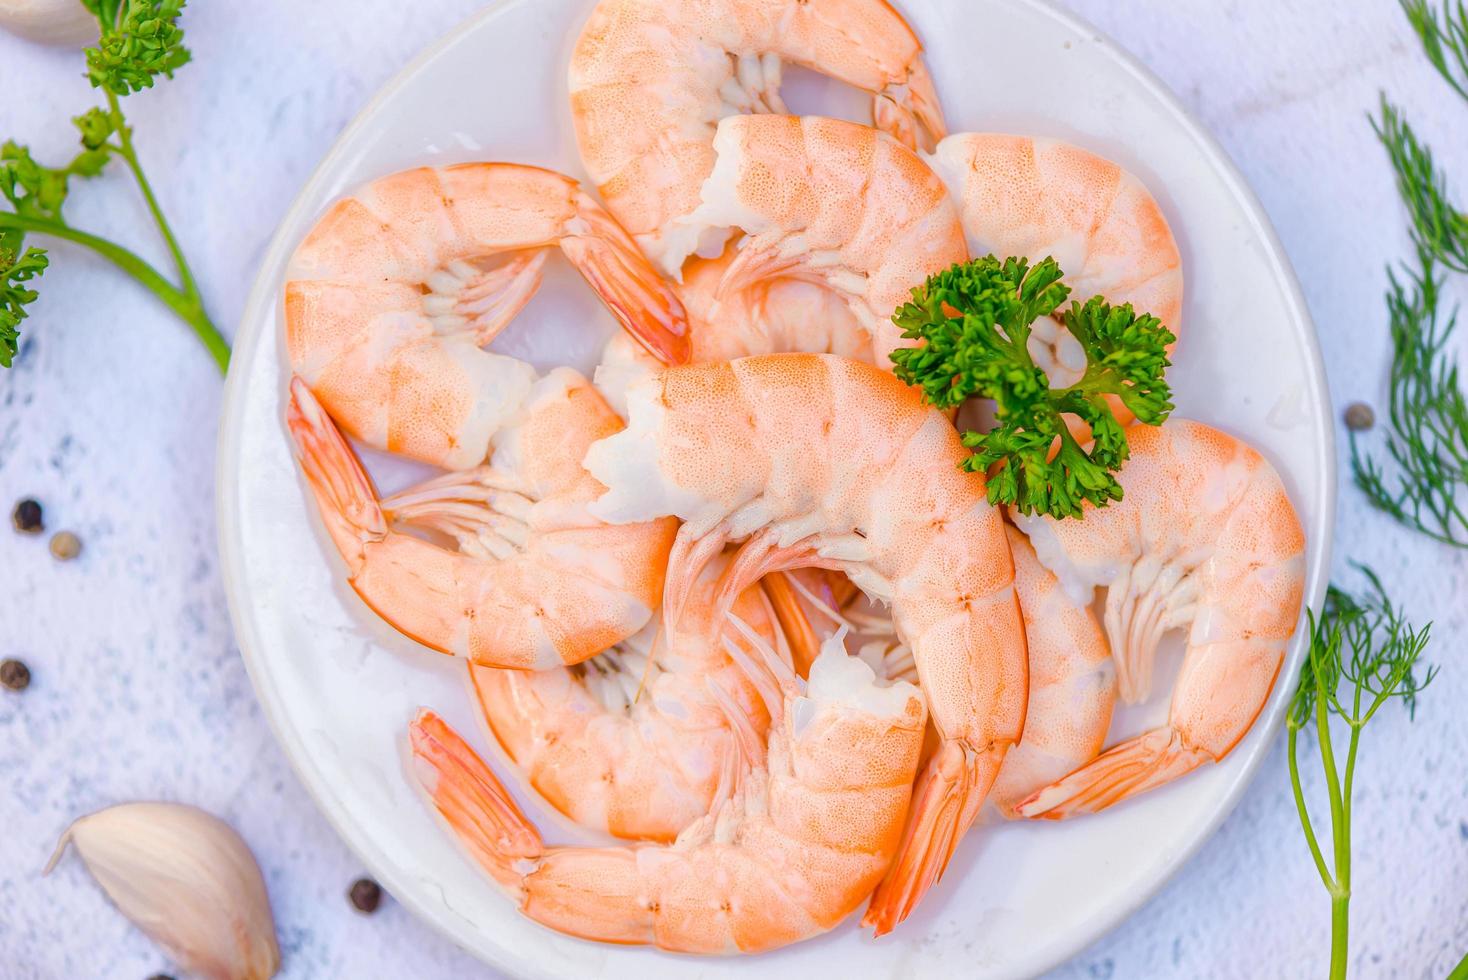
<point>15,272</point>
<point>975,322</point>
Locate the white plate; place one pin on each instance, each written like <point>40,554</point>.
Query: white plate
<point>339,688</point>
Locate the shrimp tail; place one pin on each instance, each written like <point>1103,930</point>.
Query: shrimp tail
<point>899,110</point>
<point>472,801</point>
<point>1136,765</point>
<point>947,800</point>
<point>344,493</point>
<point>642,300</point>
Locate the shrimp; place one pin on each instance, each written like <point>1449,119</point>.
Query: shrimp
<point>394,292</point>
<point>1072,677</point>
<point>814,460</point>
<point>841,223</point>
<point>649,80</point>
<point>792,853</point>
<point>1072,684</point>
<point>536,582</point>
<point>1204,537</point>
<point>643,739</point>
<point>774,316</point>
<point>1021,196</point>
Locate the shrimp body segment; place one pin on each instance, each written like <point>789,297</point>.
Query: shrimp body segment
<point>795,851</point>
<point>813,460</point>
<point>650,80</point>
<point>645,738</point>
<point>1204,538</point>
<point>535,581</point>
<point>1034,198</point>
<point>1072,684</point>
<point>394,292</point>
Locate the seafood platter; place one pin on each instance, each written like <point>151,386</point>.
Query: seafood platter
<point>801,480</point>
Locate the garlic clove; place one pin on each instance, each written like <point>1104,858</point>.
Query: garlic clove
<point>62,22</point>
<point>187,880</point>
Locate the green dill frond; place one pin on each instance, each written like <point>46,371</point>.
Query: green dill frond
<point>1444,37</point>
<point>1423,486</point>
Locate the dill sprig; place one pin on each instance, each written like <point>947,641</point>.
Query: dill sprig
<point>1427,434</point>
<point>1427,437</point>
<point>1363,653</point>
<point>1444,37</point>
<point>1438,227</point>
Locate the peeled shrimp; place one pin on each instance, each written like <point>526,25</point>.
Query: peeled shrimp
<point>1033,198</point>
<point>643,739</point>
<point>796,850</point>
<point>395,290</point>
<point>841,223</point>
<point>1204,538</point>
<point>1072,678</point>
<point>536,581</point>
<point>1072,684</point>
<point>813,460</point>
<point>649,80</point>
<point>772,316</point>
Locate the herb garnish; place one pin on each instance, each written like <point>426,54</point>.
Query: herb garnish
<point>975,320</point>
<point>139,41</point>
<point>1366,643</point>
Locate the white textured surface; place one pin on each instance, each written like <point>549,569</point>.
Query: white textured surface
<point>138,692</point>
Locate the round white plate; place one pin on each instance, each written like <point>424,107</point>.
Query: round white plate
<point>339,688</point>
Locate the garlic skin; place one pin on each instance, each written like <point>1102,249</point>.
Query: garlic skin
<point>61,22</point>
<point>187,880</point>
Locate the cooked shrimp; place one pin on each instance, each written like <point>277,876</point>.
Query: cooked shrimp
<point>1072,684</point>
<point>775,316</point>
<point>643,739</point>
<point>1072,678</point>
<point>813,460</point>
<point>649,80</point>
<point>536,581</point>
<point>1204,537</point>
<point>1034,198</point>
<point>392,295</point>
<point>795,851</point>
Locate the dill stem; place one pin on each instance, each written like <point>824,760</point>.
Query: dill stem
<point>1292,740</point>
<point>1340,889</point>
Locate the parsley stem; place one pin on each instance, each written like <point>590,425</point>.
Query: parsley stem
<point>187,308</point>
<point>130,156</point>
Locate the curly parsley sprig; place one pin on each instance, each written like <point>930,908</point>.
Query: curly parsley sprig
<point>975,321</point>
<point>1365,646</point>
<point>139,41</point>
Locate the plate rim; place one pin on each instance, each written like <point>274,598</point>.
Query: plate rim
<point>250,329</point>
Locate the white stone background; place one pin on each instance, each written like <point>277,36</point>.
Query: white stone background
<point>110,416</point>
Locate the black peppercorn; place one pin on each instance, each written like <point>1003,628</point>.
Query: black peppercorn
<point>15,675</point>
<point>27,517</point>
<point>366,895</point>
<point>160,976</point>
<point>1359,417</point>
